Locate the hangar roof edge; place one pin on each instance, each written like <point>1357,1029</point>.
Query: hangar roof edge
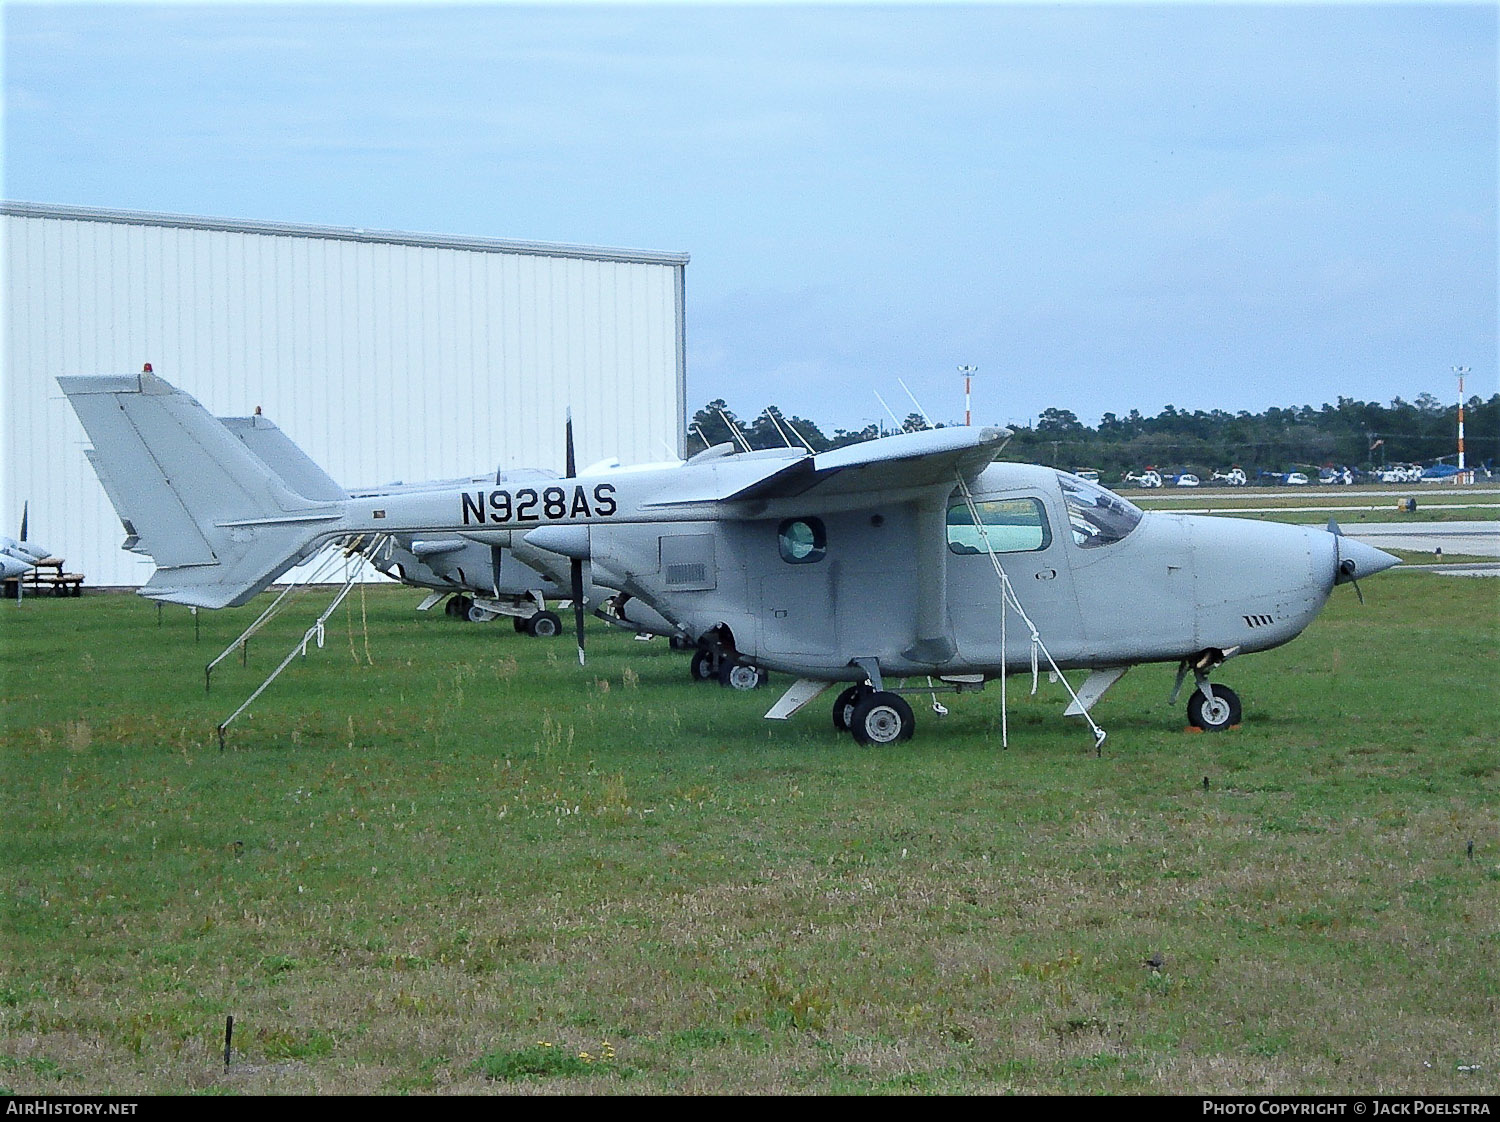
<point>337,233</point>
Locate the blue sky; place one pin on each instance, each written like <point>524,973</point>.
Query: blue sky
<point>1104,208</point>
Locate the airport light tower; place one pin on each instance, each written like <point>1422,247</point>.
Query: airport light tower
<point>968,372</point>
<point>1460,371</point>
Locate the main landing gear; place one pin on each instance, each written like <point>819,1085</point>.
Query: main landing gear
<point>539,625</point>
<point>715,662</point>
<point>873,716</point>
<point>543,625</point>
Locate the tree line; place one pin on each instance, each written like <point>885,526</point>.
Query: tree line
<point>1360,435</point>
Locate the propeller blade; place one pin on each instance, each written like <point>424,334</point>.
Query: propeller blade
<point>576,568</point>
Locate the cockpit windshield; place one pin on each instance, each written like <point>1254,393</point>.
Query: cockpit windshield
<point>1096,516</point>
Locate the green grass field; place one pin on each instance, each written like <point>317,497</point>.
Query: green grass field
<point>443,857</point>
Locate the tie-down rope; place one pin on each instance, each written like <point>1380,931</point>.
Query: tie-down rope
<point>1009,600</point>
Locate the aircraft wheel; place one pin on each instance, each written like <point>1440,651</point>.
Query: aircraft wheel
<point>843,706</point>
<point>1217,715</point>
<point>682,643</point>
<point>738,675</point>
<point>544,625</point>
<point>458,606</point>
<point>881,718</point>
<point>519,623</point>
<point>703,669</point>
<point>476,614</point>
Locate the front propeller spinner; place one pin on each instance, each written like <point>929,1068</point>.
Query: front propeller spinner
<point>1354,559</point>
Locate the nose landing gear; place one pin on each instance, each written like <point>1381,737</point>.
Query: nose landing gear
<point>1213,712</point>
<point>1211,708</point>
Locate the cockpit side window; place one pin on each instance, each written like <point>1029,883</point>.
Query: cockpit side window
<point>1097,517</point>
<point>1010,526</point>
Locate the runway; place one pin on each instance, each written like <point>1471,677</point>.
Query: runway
<point>1475,539</point>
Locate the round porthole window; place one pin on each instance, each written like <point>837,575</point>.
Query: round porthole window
<point>802,541</point>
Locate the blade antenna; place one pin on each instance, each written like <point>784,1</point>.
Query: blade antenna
<point>799,436</point>
<point>25,510</point>
<point>734,432</point>
<point>575,567</point>
<point>788,426</point>
<point>917,403</point>
<point>785,439</point>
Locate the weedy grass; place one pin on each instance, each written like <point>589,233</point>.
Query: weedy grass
<point>442,857</point>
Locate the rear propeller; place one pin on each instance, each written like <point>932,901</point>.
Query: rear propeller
<point>575,567</point>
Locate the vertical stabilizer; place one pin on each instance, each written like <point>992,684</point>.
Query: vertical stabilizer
<point>217,521</point>
<point>279,452</point>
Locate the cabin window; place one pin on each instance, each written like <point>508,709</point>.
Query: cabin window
<point>1096,516</point>
<point>802,541</point>
<point>1009,526</point>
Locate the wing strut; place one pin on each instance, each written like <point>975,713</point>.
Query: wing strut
<point>1009,602</point>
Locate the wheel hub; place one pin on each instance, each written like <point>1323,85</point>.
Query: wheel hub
<point>883,724</point>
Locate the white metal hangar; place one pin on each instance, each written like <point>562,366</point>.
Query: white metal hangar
<point>387,356</point>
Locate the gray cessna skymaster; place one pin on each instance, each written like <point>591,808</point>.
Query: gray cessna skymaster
<point>895,558</point>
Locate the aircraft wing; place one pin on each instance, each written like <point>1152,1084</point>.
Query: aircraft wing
<point>916,459</point>
<point>12,567</point>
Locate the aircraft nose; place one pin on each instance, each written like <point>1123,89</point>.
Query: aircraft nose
<point>1356,560</point>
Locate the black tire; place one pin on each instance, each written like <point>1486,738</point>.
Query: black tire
<point>544,625</point>
<point>737,674</point>
<point>703,668</point>
<point>476,614</point>
<point>1223,713</point>
<point>450,609</point>
<point>882,718</point>
<point>519,622</point>
<point>843,706</point>
<point>682,643</point>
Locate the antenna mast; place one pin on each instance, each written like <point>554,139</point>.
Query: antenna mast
<point>1460,371</point>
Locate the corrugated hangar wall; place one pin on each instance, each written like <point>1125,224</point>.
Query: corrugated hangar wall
<point>388,357</point>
